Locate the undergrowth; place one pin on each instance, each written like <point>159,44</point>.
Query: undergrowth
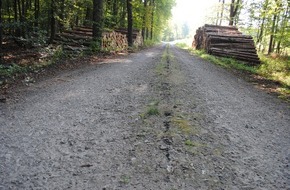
<point>12,70</point>
<point>150,43</point>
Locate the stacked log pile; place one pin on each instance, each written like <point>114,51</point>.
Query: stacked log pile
<point>114,41</point>
<point>80,38</point>
<point>137,36</point>
<point>226,41</point>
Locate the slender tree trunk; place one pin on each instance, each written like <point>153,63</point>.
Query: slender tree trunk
<point>23,18</point>
<point>88,16</point>
<point>52,21</point>
<point>234,7</point>
<point>20,18</point>
<point>61,16</point>
<point>15,11</point>
<point>1,32</point>
<point>283,28</point>
<point>130,23</point>
<point>262,27</point>
<point>152,19</point>
<point>36,13</point>
<point>144,20</point>
<point>218,14</point>
<point>270,49</point>
<point>222,13</point>
<point>277,28</point>
<point>98,22</point>
<point>124,12</point>
<point>9,16</point>
<point>115,12</point>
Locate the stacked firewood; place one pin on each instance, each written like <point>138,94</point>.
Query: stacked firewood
<point>114,41</point>
<point>226,41</point>
<point>81,38</point>
<point>137,36</point>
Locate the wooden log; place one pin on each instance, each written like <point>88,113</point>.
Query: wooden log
<point>237,55</point>
<point>225,41</point>
<point>225,35</point>
<point>233,45</point>
<point>76,32</point>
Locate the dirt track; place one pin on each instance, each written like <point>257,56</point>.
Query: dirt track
<point>157,119</point>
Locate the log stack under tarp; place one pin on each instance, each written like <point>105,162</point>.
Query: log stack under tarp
<point>226,41</point>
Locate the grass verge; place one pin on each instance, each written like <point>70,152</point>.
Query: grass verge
<point>271,70</point>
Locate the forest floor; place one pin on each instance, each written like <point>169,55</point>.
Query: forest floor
<point>157,119</point>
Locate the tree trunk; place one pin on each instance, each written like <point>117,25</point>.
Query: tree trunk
<point>19,31</point>
<point>124,12</point>
<point>36,13</point>
<point>98,21</point>
<point>152,19</point>
<point>115,12</point>
<point>61,16</point>
<point>130,23</point>
<point>283,28</point>
<point>218,15</point>
<point>52,21</point>
<point>234,7</point>
<point>261,33</point>
<point>144,20</point>
<point>220,12</point>
<point>270,49</point>
<point>23,19</point>
<point>88,16</point>
<point>9,16</point>
<point>1,29</point>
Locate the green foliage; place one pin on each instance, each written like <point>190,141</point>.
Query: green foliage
<point>57,54</point>
<point>224,61</point>
<point>189,143</point>
<point>95,46</point>
<point>268,22</point>
<point>150,43</point>
<point>182,45</point>
<point>152,110</point>
<point>125,179</point>
<point>277,69</point>
<point>11,70</point>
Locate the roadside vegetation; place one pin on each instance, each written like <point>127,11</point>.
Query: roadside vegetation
<point>37,34</point>
<point>275,69</point>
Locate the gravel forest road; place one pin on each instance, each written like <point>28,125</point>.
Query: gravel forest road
<point>157,119</point>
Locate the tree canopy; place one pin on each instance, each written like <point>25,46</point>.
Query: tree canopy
<point>44,18</point>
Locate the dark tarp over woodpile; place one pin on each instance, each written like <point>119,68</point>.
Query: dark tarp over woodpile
<point>226,41</point>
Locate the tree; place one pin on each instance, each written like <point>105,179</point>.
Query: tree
<point>43,19</point>
<point>269,22</point>
<point>185,30</point>
<point>274,26</point>
<point>234,8</point>
<point>222,12</point>
<point>262,27</point>
<point>98,21</point>
<point>36,13</point>
<point>52,21</point>
<point>1,30</point>
<point>144,19</point>
<point>130,23</point>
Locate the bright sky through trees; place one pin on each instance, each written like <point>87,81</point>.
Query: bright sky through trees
<point>192,12</point>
